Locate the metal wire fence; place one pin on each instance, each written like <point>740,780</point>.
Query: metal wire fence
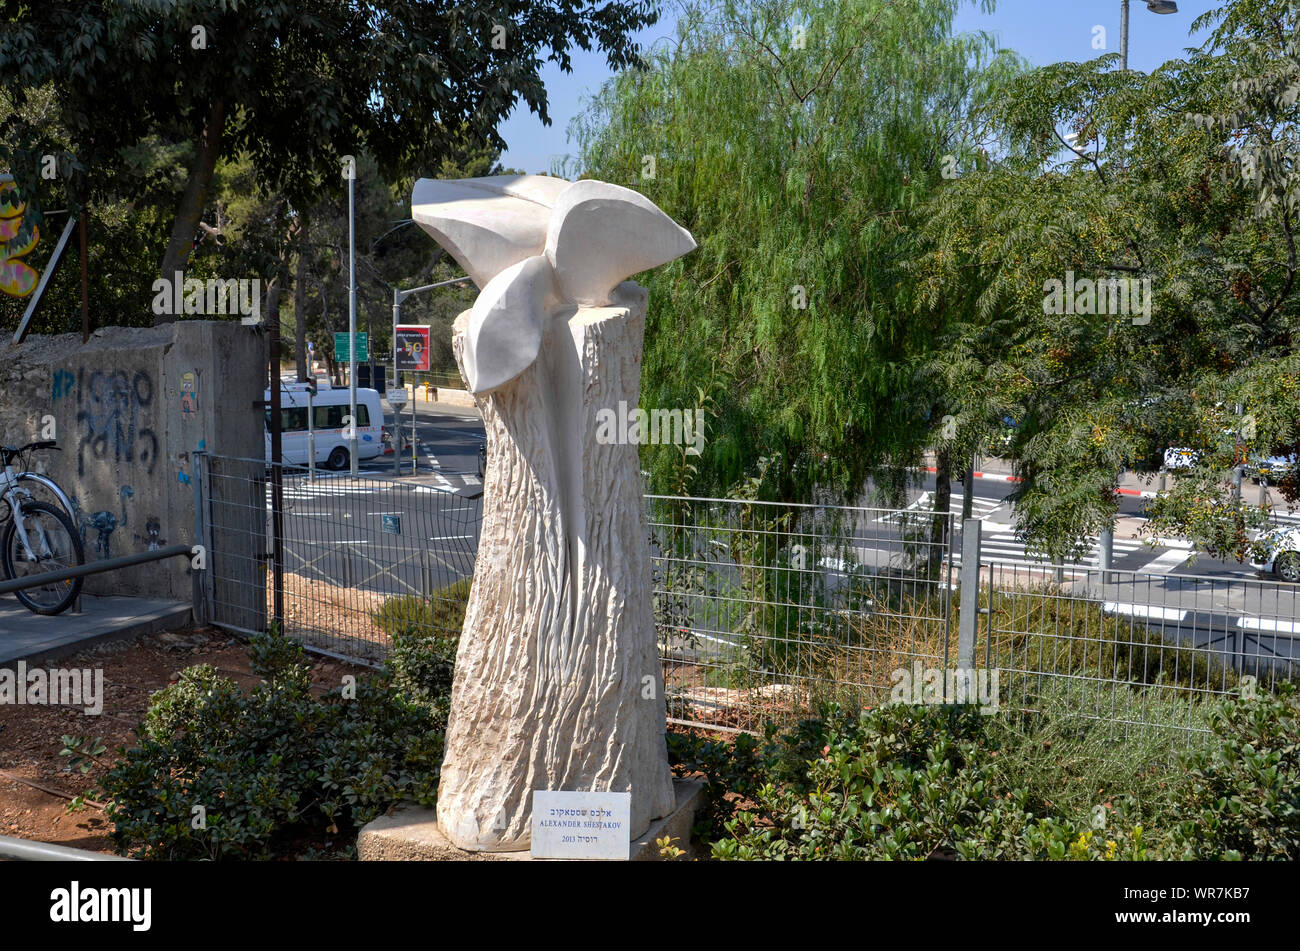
<point>1144,652</point>
<point>765,612</point>
<point>363,559</point>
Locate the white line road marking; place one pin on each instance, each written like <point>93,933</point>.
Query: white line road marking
<point>1144,610</point>
<point>1166,563</point>
<point>1269,624</point>
<point>1182,543</point>
<point>443,538</point>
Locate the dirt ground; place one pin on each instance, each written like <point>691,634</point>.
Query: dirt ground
<point>36,786</point>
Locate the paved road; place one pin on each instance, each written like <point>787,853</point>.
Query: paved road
<point>387,534</point>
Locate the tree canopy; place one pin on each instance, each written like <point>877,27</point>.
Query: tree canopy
<point>293,86</point>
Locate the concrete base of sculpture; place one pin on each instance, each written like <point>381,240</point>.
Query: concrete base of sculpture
<point>410,833</point>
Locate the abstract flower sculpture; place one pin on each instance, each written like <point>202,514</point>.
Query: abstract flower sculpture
<point>558,683</point>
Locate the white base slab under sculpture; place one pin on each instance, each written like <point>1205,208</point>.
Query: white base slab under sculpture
<point>558,682</point>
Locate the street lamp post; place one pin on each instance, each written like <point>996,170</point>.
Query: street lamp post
<point>1107,540</point>
<point>1155,6</point>
<point>352,324</point>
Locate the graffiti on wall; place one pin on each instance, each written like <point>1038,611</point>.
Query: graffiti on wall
<point>113,407</point>
<point>189,395</point>
<point>16,278</point>
<point>103,523</point>
<point>152,538</point>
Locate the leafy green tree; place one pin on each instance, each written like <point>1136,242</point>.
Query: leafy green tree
<point>295,86</point>
<point>1183,178</point>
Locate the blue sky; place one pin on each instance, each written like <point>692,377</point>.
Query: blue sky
<point>1043,31</point>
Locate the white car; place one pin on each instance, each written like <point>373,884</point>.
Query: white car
<point>1180,458</point>
<point>1282,551</point>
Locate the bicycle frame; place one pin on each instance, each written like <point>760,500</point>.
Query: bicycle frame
<point>54,488</point>
<point>14,495</point>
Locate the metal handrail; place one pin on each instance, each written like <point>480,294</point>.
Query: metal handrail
<point>94,568</point>
<point>27,850</point>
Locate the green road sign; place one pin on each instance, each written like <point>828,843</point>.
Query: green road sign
<point>341,347</point>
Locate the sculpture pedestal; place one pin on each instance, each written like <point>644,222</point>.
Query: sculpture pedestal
<point>410,833</point>
<point>558,682</point>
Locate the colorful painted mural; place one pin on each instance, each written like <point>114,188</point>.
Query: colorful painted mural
<point>16,278</point>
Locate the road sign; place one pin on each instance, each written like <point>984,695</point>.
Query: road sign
<point>392,524</point>
<point>341,347</point>
<point>396,395</point>
<point>412,341</point>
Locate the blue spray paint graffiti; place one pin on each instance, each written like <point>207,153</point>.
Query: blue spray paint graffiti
<point>103,522</point>
<point>111,421</point>
<point>61,384</point>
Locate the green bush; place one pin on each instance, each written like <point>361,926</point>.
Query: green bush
<point>902,782</point>
<point>225,773</point>
<point>174,707</point>
<point>912,782</point>
<point>1242,800</point>
<point>425,637</point>
<point>1054,739</point>
<point>442,614</point>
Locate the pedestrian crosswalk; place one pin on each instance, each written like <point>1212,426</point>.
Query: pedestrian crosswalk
<point>297,490</point>
<point>1004,548</point>
<point>981,508</point>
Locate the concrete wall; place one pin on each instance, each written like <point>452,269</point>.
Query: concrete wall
<point>130,407</point>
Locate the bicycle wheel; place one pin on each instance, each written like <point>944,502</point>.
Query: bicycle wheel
<point>52,543</point>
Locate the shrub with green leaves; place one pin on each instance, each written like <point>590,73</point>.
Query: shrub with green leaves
<point>226,773</point>
<point>425,636</point>
<point>910,782</point>
<point>1243,796</point>
<point>443,613</point>
<point>904,782</point>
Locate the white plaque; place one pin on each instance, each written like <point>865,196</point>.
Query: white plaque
<point>581,825</point>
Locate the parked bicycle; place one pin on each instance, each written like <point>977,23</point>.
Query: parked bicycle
<point>38,537</point>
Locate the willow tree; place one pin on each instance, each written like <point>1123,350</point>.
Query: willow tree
<point>796,139</point>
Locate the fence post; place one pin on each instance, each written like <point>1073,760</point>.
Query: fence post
<point>1106,544</point>
<point>200,607</point>
<point>970,593</point>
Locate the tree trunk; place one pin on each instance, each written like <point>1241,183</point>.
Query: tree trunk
<point>968,496</point>
<point>558,683</point>
<point>194,199</point>
<point>270,315</point>
<point>939,539</point>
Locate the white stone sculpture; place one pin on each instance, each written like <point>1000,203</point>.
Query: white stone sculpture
<point>558,683</point>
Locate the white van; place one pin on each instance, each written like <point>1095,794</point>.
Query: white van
<point>330,410</point>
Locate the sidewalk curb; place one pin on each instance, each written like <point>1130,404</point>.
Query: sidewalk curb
<point>167,618</point>
<point>999,477</point>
